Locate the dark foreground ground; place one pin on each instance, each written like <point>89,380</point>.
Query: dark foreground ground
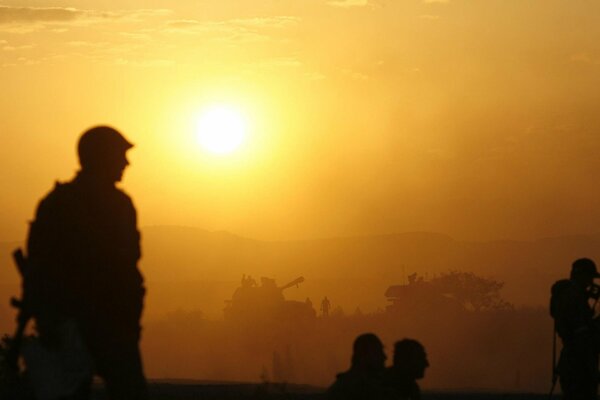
<point>242,391</point>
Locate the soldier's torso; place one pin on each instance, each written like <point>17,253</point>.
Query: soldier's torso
<point>85,243</point>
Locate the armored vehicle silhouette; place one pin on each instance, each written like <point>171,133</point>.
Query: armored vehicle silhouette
<point>252,302</point>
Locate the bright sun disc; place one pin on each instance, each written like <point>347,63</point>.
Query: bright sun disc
<point>221,130</point>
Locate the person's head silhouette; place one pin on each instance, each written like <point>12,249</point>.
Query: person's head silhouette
<point>583,271</point>
<point>410,358</point>
<point>101,151</point>
<point>368,354</point>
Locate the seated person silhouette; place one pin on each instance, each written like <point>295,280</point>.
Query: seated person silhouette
<point>364,379</point>
<point>410,362</point>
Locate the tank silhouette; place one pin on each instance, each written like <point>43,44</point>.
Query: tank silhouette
<point>251,302</point>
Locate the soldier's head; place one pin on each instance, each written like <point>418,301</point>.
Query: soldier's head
<point>368,354</point>
<point>101,151</point>
<point>410,358</point>
<point>583,271</point>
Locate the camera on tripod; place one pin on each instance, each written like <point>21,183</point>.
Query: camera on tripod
<point>594,291</point>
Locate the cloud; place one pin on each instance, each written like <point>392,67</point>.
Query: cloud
<point>220,31</point>
<point>145,13</point>
<point>33,14</point>
<point>436,1</point>
<point>184,23</point>
<point>348,3</point>
<point>277,22</point>
<point>233,30</point>
<point>15,48</point>
<point>82,44</point>
<point>30,19</point>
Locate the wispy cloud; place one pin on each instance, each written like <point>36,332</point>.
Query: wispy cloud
<point>234,30</point>
<point>31,19</point>
<point>84,44</point>
<point>15,48</point>
<point>277,22</point>
<point>34,14</point>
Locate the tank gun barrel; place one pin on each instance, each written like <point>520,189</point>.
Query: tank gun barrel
<point>295,282</point>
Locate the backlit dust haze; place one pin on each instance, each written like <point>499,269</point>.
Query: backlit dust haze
<point>380,138</point>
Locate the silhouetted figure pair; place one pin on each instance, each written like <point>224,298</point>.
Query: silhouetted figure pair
<point>575,324</point>
<point>368,377</point>
<point>83,248</point>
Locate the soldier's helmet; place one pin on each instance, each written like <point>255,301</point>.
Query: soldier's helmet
<point>99,145</point>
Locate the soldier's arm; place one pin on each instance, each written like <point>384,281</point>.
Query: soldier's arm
<point>42,285</point>
<point>44,250</point>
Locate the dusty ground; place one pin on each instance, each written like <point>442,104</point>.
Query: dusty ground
<point>218,391</point>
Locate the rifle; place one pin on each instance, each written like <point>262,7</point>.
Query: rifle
<point>554,364</point>
<point>24,313</point>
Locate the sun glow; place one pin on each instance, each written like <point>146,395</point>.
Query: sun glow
<point>221,129</point>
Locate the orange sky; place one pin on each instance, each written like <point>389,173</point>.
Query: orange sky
<point>478,119</point>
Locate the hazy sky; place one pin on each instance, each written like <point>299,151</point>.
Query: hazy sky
<point>475,118</point>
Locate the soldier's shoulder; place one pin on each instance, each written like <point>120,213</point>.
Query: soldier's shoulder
<point>60,192</point>
<point>561,287</point>
<point>57,202</point>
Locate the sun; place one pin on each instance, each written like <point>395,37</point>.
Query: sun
<point>221,129</point>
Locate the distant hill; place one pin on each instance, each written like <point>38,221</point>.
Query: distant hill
<point>527,267</point>
<point>189,268</point>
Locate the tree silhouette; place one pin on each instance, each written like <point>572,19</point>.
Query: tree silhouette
<point>473,292</point>
<point>450,291</point>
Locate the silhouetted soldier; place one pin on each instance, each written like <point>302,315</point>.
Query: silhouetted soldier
<point>410,362</point>
<point>364,379</point>
<point>325,306</point>
<point>309,303</point>
<point>83,249</point>
<point>575,324</point>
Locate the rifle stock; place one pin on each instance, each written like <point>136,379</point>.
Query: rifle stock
<point>23,315</point>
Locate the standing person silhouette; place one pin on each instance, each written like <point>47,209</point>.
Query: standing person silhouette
<point>83,248</point>
<point>578,329</point>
